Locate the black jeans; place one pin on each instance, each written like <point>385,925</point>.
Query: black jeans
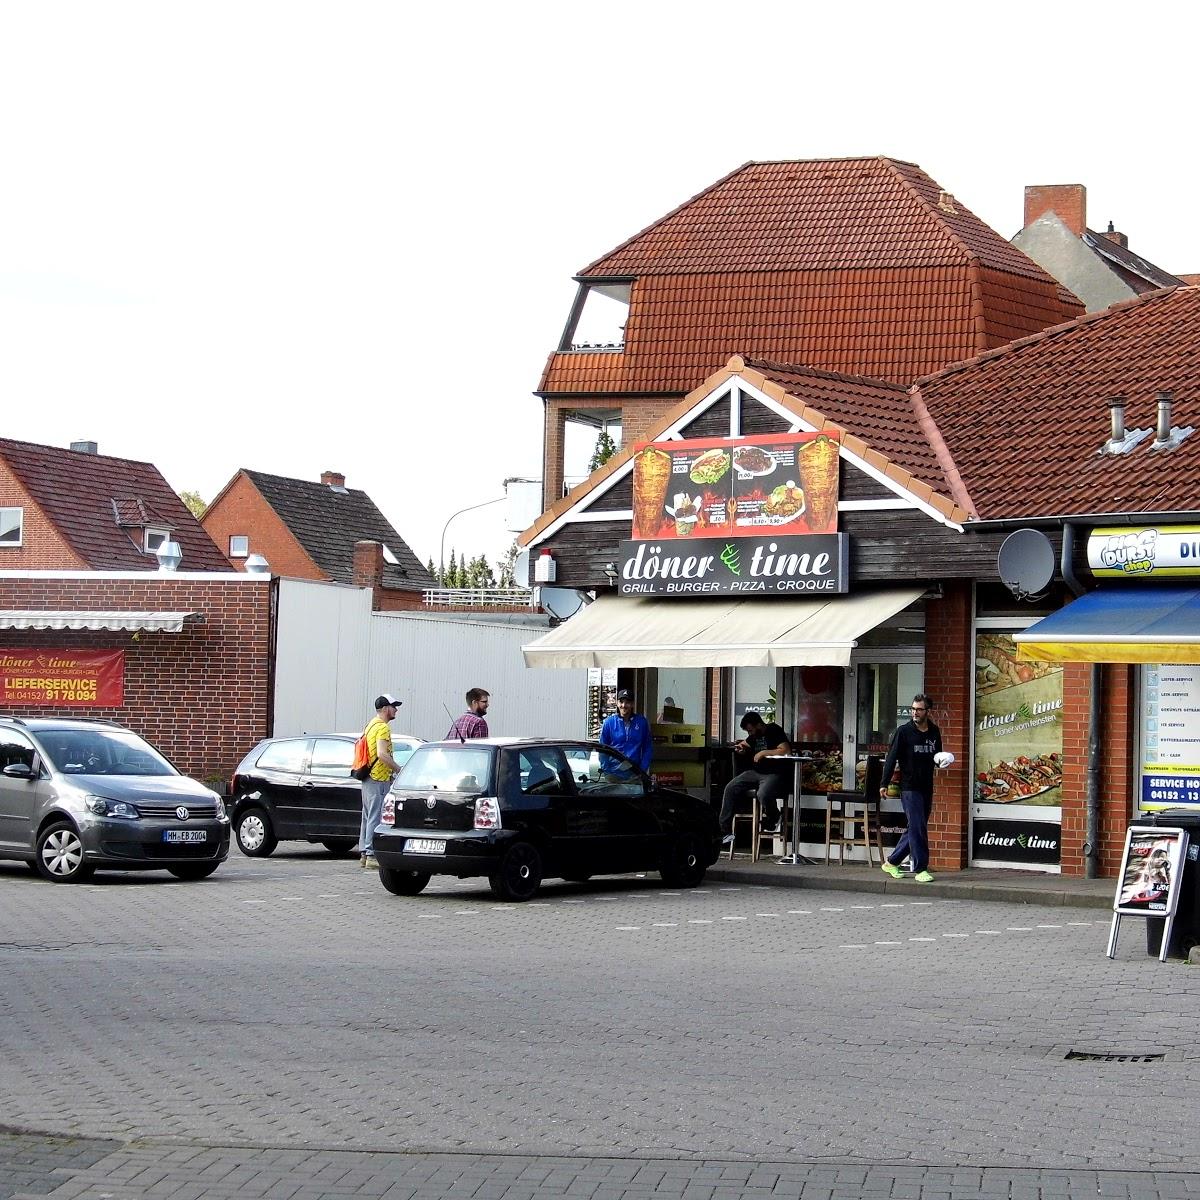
<point>767,786</point>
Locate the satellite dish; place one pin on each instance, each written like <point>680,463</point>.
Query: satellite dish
<point>1026,563</point>
<point>560,602</point>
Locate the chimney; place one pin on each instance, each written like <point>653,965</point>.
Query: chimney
<point>368,566</point>
<point>1067,200</point>
<point>1163,435</point>
<point>1113,236</point>
<point>1116,411</point>
<point>333,479</point>
<point>85,447</point>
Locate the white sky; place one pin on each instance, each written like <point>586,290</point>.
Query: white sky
<point>307,236</point>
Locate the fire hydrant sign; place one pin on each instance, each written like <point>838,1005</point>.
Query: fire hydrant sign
<point>55,677</point>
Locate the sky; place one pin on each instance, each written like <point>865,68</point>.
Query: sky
<point>299,237</point>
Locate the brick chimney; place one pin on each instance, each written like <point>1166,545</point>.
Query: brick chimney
<point>1113,236</point>
<point>333,479</point>
<point>1067,200</point>
<point>368,567</point>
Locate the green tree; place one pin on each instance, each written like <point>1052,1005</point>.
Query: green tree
<point>605,449</point>
<point>196,505</point>
<point>508,566</point>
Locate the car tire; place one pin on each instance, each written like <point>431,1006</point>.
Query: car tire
<point>403,883</point>
<point>683,864</point>
<point>192,871</point>
<point>519,874</point>
<point>339,846</point>
<point>255,837</point>
<point>59,853</point>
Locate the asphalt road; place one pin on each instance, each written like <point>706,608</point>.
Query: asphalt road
<point>633,1039</point>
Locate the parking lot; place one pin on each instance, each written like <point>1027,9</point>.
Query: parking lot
<point>292,1002</point>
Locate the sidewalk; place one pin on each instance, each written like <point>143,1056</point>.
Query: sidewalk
<point>974,883</point>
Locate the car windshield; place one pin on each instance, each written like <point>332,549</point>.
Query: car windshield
<point>447,769</point>
<point>102,752</point>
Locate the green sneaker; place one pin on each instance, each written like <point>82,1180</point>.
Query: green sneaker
<point>891,869</point>
<point>923,877</point>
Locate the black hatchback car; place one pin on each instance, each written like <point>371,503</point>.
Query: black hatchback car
<point>519,811</point>
<point>300,788</point>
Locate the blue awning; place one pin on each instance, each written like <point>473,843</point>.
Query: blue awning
<point>1119,625</point>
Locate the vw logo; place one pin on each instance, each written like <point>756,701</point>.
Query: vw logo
<point>182,813</point>
<point>430,802</point>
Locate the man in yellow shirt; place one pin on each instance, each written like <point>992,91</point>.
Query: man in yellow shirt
<point>383,770</point>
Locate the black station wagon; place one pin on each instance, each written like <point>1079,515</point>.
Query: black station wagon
<point>519,811</point>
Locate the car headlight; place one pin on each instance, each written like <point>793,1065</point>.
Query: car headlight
<point>102,806</point>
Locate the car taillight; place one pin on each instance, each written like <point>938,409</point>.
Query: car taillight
<point>487,812</point>
<point>388,816</point>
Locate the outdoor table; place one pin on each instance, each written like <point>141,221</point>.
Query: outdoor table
<point>796,859</point>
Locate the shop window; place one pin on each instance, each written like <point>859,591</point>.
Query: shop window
<point>11,526</point>
<point>239,545</point>
<point>754,690</point>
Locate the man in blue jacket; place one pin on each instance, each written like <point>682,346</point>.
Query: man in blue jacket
<point>628,732</point>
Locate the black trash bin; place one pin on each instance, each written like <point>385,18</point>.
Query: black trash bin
<point>1186,930</point>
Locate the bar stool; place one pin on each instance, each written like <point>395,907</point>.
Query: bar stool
<point>854,809</point>
<point>757,833</point>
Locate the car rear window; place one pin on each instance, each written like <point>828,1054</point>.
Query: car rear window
<point>448,769</point>
<point>287,755</point>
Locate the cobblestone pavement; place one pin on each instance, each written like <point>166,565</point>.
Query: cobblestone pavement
<point>287,1028</point>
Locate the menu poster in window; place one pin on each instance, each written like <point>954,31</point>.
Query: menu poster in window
<point>1018,726</point>
<point>1170,736</point>
<point>1148,881</point>
<point>784,483</point>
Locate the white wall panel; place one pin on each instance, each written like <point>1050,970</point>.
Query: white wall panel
<point>430,662</point>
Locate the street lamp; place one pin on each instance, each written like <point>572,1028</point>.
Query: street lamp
<point>442,551</point>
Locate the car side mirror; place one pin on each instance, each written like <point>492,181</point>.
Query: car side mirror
<point>19,770</point>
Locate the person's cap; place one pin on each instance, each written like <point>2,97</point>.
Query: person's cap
<point>386,699</point>
<point>624,694</point>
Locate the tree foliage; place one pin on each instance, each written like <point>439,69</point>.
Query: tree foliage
<point>197,506</point>
<point>604,450</point>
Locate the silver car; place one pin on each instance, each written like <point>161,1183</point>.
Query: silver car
<point>77,795</point>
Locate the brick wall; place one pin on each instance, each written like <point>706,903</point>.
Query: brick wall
<point>949,670</point>
<point>241,509</point>
<point>201,696</point>
<point>1117,770</point>
<point>42,547</point>
<point>1068,200</point>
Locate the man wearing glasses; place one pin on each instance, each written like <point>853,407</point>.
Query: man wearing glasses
<point>913,746</point>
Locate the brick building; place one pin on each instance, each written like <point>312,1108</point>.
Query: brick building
<point>324,531</point>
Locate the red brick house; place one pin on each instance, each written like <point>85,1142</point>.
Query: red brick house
<point>324,531</point>
<point>1068,437</point>
<point>191,648</point>
<point>864,266</point>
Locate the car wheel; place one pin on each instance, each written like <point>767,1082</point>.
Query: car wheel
<point>254,834</point>
<point>194,870</point>
<point>520,873</point>
<point>339,845</point>
<point>60,855</point>
<point>683,864</point>
<point>403,883</point>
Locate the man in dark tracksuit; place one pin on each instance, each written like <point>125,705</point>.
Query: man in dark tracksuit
<point>913,746</point>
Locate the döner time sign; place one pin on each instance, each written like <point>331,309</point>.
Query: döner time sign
<point>799,565</point>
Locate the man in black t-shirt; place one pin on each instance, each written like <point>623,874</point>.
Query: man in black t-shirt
<point>766,778</point>
<point>913,747</point>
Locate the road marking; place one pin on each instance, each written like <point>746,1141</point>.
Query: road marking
<point>733,918</point>
<point>892,905</point>
<point>664,924</point>
<point>327,895</point>
<point>431,916</point>
<point>465,912</point>
<point>922,939</point>
<point>959,935</point>
<point>833,910</point>
<point>1049,926</point>
<point>862,906</point>
<point>853,946</point>
<point>254,902</point>
<point>766,914</point>
<point>291,897</point>
<point>1079,922</point>
<point>987,931</point>
<point>629,928</point>
<point>574,901</point>
<point>699,922</point>
<point>1019,928</point>
<point>670,893</point>
<point>889,943</point>
<point>799,912</point>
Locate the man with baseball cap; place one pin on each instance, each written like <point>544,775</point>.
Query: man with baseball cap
<point>383,770</point>
<point>628,732</point>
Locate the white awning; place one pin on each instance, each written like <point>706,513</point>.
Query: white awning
<point>632,631</point>
<point>163,622</point>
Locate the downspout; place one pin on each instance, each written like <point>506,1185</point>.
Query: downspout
<point>1091,839</point>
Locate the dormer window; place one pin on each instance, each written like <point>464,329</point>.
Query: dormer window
<point>11,526</point>
<point>598,319</point>
<point>153,540</point>
<point>239,545</point>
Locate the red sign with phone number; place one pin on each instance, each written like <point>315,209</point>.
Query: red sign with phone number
<point>55,677</point>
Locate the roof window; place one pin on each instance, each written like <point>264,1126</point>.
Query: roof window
<point>11,526</point>
<point>389,557</point>
<point>599,317</point>
<point>153,540</point>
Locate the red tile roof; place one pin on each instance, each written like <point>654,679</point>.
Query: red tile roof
<point>1024,423</point>
<point>857,265</point>
<point>93,500</point>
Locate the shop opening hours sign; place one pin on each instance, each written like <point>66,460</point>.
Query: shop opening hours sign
<point>54,677</point>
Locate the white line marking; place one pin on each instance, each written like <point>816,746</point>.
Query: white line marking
<point>327,895</point>
<point>799,912</point>
<point>1019,928</point>
<point>254,902</point>
<point>431,916</point>
<point>766,914</point>
<point>862,906</point>
<point>922,939</point>
<point>956,935</point>
<point>1079,922</point>
<point>574,901</point>
<point>1049,926</point>
<point>987,931</point>
<point>699,922</point>
<point>889,943</point>
<point>833,910</point>
<point>891,906</point>
<point>664,924</point>
<point>465,912</point>
<point>853,946</point>
<point>733,918</point>
<point>295,897</point>
<point>629,928</point>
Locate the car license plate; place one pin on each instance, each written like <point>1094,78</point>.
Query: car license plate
<point>185,835</point>
<point>425,846</point>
